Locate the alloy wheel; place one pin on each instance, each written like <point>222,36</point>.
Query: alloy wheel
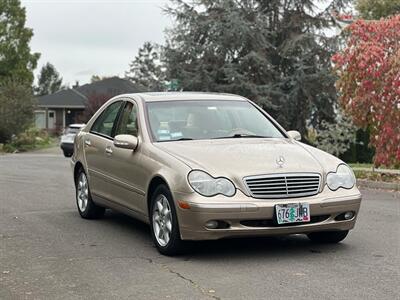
<point>162,220</point>
<point>83,192</point>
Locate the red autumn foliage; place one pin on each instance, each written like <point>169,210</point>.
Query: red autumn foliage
<point>94,102</point>
<point>369,83</point>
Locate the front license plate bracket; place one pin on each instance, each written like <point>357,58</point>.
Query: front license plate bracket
<point>292,213</point>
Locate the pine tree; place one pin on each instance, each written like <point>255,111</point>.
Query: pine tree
<point>276,53</point>
<point>146,70</point>
<point>376,9</point>
<point>49,80</point>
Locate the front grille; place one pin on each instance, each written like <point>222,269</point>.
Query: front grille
<point>288,185</point>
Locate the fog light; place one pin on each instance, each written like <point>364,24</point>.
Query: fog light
<point>348,215</point>
<point>212,224</point>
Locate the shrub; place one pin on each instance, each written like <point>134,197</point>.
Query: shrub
<point>16,108</point>
<point>28,140</point>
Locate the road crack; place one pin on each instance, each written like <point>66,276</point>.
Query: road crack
<point>187,279</point>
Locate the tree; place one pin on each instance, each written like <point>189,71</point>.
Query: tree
<point>16,59</point>
<point>49,80</point>
<point>369,83</point>
<point>376,9</point>
<point>146,69</point>
<point>276,53</point>
<point>336,138</point>
<point>93,103</point>
<point>16,108</point>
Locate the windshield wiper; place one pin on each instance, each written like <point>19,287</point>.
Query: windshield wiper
<point>180,139</point>
<point>241,135</point>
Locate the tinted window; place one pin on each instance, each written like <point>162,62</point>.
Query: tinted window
<point>174,120</point>
<point>105,122</point>
<point>128,120</point>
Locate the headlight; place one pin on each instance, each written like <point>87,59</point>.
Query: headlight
<point>343,177</point>
<point>206,185</point>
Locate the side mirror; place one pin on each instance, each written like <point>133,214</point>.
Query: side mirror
<point>126,141</point>
<point>294,134</point>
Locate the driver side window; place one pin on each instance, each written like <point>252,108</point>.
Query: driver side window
<point>128,121</point>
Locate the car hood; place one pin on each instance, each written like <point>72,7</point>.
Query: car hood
<point>237,158</point>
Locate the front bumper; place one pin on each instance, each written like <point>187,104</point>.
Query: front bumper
<point>247,216</point>
<point>67,147</point>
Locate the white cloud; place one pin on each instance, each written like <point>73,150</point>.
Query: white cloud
<point>83,38</point>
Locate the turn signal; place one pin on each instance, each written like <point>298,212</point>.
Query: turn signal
<point>183,205</point>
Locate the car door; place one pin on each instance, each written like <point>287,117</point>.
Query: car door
<point>98,143</point>
<point>127,166</point>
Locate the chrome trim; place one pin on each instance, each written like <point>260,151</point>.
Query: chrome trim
<point>283,185</point>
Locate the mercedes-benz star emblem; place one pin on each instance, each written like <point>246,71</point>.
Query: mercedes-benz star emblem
<point>280,161</point>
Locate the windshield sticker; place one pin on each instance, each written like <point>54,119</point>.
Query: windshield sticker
<point>162,131</point>
<point>212,108</point>
<point>176,134</point>
<point>164,137</point>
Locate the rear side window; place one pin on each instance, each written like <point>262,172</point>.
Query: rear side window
<point>105,122</point>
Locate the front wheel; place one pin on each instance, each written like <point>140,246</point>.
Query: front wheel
<point>164,223</point>
<point>86,207</point>
<point>328,237</point>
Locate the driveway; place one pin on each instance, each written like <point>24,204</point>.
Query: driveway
<point>48,252</point>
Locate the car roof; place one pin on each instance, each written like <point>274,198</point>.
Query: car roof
<point>76,125</point>
<point>176,96</point>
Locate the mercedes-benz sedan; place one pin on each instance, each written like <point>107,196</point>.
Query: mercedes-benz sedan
<point>199,166</point>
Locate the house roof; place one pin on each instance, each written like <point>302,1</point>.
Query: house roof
<point>76,97</point>
<point>63,98</point>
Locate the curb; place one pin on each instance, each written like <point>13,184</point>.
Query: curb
<point>378,185</point>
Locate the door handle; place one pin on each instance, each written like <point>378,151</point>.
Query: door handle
<point>88,143</point>
<point>109,150</point>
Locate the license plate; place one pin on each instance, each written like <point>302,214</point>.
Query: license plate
<point>292,213</point>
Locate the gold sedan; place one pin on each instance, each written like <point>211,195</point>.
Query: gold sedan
<point>199,166</point>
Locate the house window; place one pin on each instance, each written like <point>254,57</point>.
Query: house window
<point>40,119</point>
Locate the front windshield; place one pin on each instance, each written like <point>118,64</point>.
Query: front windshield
<point>197,120</point>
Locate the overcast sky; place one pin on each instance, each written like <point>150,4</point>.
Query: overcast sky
<point>87,37</point>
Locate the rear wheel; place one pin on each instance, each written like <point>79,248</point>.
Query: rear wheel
<point>86,207</point>
<point>329,237</point>
<point>164,223</point>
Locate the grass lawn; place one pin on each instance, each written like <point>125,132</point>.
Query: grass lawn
<point>371,175</point>
<point>361,165</point>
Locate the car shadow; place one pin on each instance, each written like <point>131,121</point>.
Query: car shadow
<point>275,247</point>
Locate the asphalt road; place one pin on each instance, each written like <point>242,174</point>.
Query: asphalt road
<point>48,252</point>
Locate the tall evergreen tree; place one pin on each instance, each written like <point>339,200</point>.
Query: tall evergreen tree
<point>49,80</point>
<point>16,59</point>
<point>146,70</point>
<point>276,53</point>
<point>376,9</point>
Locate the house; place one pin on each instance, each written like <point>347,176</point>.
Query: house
<point>56,111</point>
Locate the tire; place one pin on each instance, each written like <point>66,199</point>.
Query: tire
<point>328,237</point>
<point>86,207</point>
<point>67,154</point>
<point>164,223</point>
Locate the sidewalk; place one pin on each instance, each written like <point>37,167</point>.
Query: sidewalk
<point>378,170</point>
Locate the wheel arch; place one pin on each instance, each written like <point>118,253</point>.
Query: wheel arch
<point>154,183</point>
<point>77,167</point>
